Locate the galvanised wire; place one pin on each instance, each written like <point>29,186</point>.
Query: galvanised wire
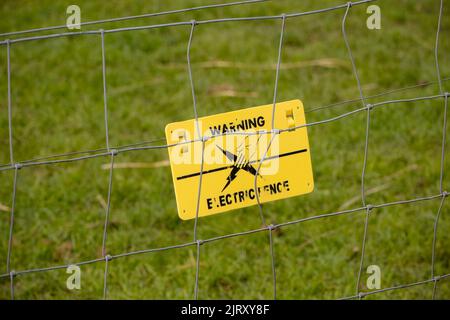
<point>366,208</point>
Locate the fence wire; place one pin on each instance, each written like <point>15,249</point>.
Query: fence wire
<point>365,107</point>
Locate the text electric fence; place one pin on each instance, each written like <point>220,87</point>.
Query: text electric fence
<point>112,152</point>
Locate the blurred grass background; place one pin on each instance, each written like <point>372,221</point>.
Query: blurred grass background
<point>57,102</point>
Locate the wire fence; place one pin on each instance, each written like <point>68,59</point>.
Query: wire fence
<point>365,107</point>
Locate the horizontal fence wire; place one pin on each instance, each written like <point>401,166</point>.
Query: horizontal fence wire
<point>111,153</point>
<point>141,16</point>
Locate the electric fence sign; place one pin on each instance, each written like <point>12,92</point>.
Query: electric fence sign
<point>239,159</point>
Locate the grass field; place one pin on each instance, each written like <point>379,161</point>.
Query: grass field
<point>57,103</point>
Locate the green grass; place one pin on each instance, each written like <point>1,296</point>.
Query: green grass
<point>57,104</point>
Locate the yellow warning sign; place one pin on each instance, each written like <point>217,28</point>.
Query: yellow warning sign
<point>238,148</point>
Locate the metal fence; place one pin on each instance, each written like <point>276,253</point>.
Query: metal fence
<point>365,107</point>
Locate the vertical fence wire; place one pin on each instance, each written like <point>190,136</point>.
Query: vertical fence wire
<point>10,134</point>
<point>11,221</point>
<point>272,259</point>
<point>111,169</point>
<point>105,96</point>
<point>11,284</point>
<point>197,269</point>
<point>105,277</point>
<point>203,140</point>
<point>363,251</point>
<point>108,204</point>
<point>106,256</point>
<point>444,135</point>
<point>436,47</point>
<point>444,138</point>
<point>366,146</point>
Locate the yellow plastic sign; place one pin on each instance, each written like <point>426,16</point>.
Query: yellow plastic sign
<point>236,143</point>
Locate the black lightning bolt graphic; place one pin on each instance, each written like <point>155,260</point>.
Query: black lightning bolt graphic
<point>238,164</point>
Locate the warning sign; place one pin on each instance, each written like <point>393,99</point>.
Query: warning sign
<point>239,149</point>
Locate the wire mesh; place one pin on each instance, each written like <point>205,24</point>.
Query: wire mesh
<point>365,107</point>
